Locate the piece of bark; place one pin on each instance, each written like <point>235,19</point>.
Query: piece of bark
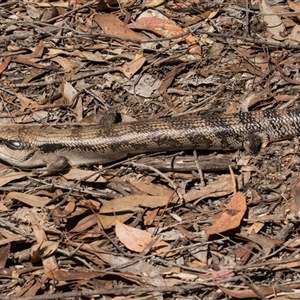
<point>209,163</point>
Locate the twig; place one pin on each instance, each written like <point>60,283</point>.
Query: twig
<point>171,182</point>
<point>200,173</point>
<point>116,292</point>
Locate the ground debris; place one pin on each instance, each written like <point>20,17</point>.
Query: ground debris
<point>161,226</point>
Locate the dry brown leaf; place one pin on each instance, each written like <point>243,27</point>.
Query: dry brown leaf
<point>265,243</point>
<point>133,203</point>
<point>130,68</point>
<point>244,252</point>
<point>152,3</point>
<point>137,240</point>
<point>153,20</point>
<point>274,23</point>
<point>72,210</point>
<point>16,238</point>
<point>4,254</point>
<point>294,204</point>
<point>37,51</point>
<point>150,216</point>
<point>50,264</point>
<point>64,62</point>
<point>70,207</point>
<point>152,274</point>
<point>85,223</point>
<point>76,275</point>
<point>110,24</point>
<point>256,227</point>
<point>29,59</point>
<point>181,5</point>
<point>162,27</point>
<point>9,237</point>
<point>4,64</point>
<point>122,209</point>
<point>108,221</point>
<point>262,290</point>
<point>29,290</point>
<point>43,250</point>
<point>221,187</point>
<point>34,74</point>
<point>282,265</point>
<point>3,207</point>
<point>294,36</point>
<point>93,56</point>
<point>169,78</point>
<point>295,7</point>
<point>206,15</point>
<point>49,13</point>
<point>8,273</point>
<point>32,12</point>
<point>26,102</point>
<point>53,52</point>
<point>231,217</point>
<point>219,275</point>
<point>29,199</point>
<point>293,243</point>
<point>283,98</point>
<point>80,174</point>
<point>69,92</point>
<point>153,189</point>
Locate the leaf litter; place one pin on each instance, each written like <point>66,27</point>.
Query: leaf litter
<point>188,227</point>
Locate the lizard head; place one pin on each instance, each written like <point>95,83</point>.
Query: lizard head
<point>15,150</point>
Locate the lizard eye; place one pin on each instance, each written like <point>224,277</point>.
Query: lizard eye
<point>14,145</point>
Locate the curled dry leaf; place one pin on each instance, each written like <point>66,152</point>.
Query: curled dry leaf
<point>69,92</point>
<point>43,250</point>
<point>231,217</point>
<point>65,63</point>
<point>137,240</point>
<point>130,68</point>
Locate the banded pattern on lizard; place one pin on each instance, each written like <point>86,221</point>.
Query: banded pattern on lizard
<point>31,146</point>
